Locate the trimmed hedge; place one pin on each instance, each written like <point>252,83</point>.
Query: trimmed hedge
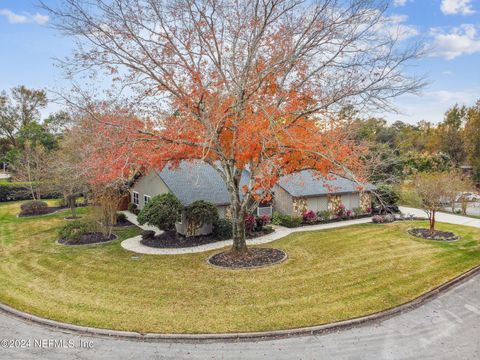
<point>16,192</point>
<point>75,229</point>
<point>34,208</point>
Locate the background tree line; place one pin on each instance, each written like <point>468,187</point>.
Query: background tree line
<point>399,150</point>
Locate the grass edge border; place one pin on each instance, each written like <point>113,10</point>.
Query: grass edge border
<point>247,336</point>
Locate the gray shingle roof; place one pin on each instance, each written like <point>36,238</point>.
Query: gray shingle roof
<point>196,180</point>
<point>306,183</point>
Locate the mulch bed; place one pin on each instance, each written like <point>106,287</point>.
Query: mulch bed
<point>264,231</point>
<point>49,210</point>
<point>435,235</point>
<point>170,239</point>
<point>334,220</point>
<point>255,257</point>
<point>124,223</point>
<point>88,238</point>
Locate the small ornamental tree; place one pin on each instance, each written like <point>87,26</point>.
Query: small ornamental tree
<point>432,191</point>
<point>107,198</point>
<point>67,175</point>
<point>162,211</point>
<point>198,214</point>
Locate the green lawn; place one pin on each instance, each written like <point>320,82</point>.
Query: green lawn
<point>329,276</point>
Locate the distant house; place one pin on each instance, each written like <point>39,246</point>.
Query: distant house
<point>292,195</point>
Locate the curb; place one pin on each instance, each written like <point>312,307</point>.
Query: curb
<point>245,336</point>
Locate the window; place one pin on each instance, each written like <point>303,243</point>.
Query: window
<point>264,210</point>
<point>146,199</point>
<point>135,198</point>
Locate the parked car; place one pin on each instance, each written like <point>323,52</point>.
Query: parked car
<point>469,196</point>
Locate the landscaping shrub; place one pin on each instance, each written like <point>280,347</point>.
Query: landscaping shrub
<point>286,220</point>
<point>389,218</point>
<point>199,213</point>
<point>73,230</point>
<point>223,229</point>
<point>162,211</point>
<point>148,234</point>
<point>309,217</point>
<point>34,208</point>
<point>292,221</point>
<point>357,212</point>
<point>16,192</point>
<point>121,217</point>
<point>324,215</point>
<point>249,223</point>
<point>133,208</point>
<point>276,218</point>
<point>340,211</point>
<point>349,213</point>
<point>261,221</point>
<point>377,219</point>
<point>383,219</point>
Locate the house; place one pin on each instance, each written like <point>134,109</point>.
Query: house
<point>292,195</point>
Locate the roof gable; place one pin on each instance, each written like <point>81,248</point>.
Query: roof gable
<point>197,180</point>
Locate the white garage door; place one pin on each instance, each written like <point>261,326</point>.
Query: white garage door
<point>351,201</point>
<point>317,203</point>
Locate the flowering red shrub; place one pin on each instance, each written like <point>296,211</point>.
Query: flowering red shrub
<point>309,216</point>
<point>261,221</point>
<point>250,223</point>
<point>340,211</point>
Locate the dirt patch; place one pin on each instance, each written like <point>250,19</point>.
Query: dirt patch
<point>433,235</point>
<point>88,238</point>
<point>254,258</point>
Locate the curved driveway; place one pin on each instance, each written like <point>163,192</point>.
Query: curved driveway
<point>445,328</point>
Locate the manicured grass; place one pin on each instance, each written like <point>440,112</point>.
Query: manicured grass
<point>329,276</point>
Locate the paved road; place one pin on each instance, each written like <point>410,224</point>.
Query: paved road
<point>445,328</point>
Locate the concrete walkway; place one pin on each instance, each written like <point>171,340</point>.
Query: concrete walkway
<point>134,244</point>
<point>445,328</point>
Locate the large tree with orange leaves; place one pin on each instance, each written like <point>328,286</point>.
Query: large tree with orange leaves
<point>243,85</point>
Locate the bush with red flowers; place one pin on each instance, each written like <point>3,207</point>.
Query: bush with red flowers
<point>250,223</point>
<point>309,217</point>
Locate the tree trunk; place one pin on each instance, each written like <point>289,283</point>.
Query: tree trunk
<point>432,221</point>
<point>71,204</point>
<point>238,223</point>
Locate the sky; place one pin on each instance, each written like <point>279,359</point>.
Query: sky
<point>450,29</point>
